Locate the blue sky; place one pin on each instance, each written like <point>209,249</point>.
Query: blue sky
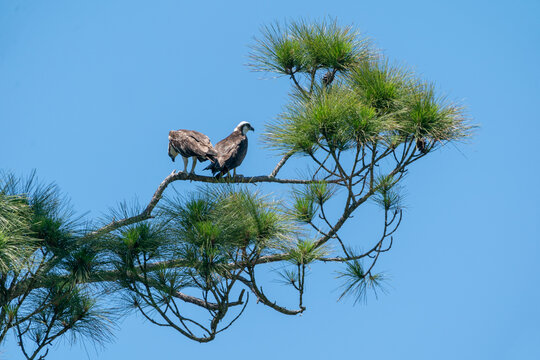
<point>89,91</point>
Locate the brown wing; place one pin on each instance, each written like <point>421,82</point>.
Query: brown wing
<point>232,150</point>
<point>192,143</point>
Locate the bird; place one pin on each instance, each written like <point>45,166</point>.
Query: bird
<point>191,143</point>
<point>231,150</point>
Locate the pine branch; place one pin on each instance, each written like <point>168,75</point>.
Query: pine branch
<point>181,176</point>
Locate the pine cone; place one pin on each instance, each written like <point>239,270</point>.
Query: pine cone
<point>421,145</point>
<point>328,78</point>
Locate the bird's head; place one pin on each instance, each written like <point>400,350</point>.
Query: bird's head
<point>172,153</point>
<point>244,127</point>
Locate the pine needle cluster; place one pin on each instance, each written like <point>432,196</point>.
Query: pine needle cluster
<point>370,101</point>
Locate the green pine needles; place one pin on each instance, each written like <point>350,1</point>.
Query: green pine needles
<point>371,102</point>
<point>303,47</point>
<point>191,261</point>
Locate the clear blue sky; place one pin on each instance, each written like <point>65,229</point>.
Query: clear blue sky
<point>89,91</point>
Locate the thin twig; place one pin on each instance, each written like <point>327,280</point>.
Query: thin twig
<point>281,163</point>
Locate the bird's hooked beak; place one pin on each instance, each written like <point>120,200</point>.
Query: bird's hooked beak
<point>171,152</point>
<point>251,128</point>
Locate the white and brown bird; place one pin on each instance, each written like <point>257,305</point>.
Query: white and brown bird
<point>231,150</point>
<point>190,143</point>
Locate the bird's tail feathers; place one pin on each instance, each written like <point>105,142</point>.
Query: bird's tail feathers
<point>213,167</point>
<point>210,167</point>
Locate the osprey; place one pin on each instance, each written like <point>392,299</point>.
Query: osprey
<point>231,150</point>
<point>190,143</point>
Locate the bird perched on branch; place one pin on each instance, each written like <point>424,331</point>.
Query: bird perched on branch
<point>231,150</point>
<point>190,143</point>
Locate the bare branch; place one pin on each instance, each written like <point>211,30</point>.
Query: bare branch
<point>261,297</point>
<point>181,176</point>
<point>206,304</point>
<point>298,86</point>
<point>281,163</point>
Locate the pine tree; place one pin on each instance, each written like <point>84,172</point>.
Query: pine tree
<point>356,122</point>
